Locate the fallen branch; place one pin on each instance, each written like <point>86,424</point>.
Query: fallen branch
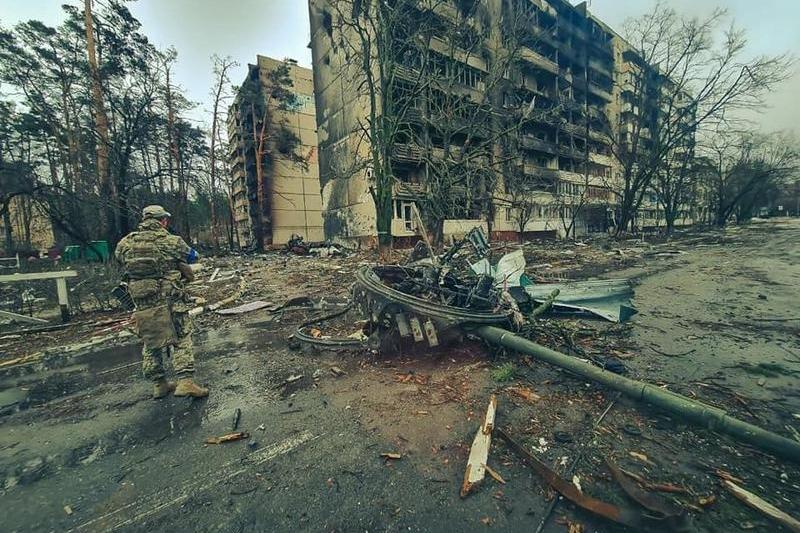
<point>658,487</point>
<point>751,500</point>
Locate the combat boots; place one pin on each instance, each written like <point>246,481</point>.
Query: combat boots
<point>162,388</point>
<point>187,387</point>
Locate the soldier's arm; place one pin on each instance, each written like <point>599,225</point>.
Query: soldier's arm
<point>184,255</point>
<point>122,248</point>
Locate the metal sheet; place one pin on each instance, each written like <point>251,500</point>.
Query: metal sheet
<point>608,299</point>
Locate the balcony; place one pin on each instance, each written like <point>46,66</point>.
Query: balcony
<point>577,32</point>
<point>601,67</point>
<point>406,72</point>
<point>403,188</point>
<point>407,152</point>
<point>574,129</point>
<point>413,115</point>
<point>542,173</point>
<point>539,60</point>
<point>545,7</point>
<point>599,91</point>
<point>569,151</point>
<point>529,142</point>
<point>547,36</point>
<point>601,159</point>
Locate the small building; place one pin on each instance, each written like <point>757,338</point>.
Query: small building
<point>287,200</point>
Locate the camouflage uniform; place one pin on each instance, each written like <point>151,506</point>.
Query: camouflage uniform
<point>151,256</point>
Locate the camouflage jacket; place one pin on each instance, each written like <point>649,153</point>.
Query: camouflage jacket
<point>152,257</point>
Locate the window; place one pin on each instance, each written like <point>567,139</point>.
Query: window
<point>408,217</point>
<point>403,211</point>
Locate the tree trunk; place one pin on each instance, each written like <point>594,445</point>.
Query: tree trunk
<point>384,214</point>
<point>258,226</point>
<point>670,221</point>
<point>8,232</point>
<point>212,185</point>
<point>107,189</point>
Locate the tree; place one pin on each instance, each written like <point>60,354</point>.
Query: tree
<point>676,78</point>
<point>739,168</point>
<point>76,163</point>
<point>221,67</point>
<point>519,198</point>
<point>101,118</point>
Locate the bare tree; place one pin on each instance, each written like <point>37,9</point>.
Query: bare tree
<point>221,67</point>
<point>675,79</point>
<point>739,167</point>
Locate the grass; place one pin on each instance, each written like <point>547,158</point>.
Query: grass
<point>504,372</point>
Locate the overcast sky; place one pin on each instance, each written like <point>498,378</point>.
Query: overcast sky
<point>279,28</point>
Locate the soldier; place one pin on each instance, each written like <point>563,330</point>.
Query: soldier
<point>157,265</point>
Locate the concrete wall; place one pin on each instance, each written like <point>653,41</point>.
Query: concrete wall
<point>348,208</point>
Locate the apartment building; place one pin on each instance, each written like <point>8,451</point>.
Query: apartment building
<point>564,83</point>
<point>287,199</point>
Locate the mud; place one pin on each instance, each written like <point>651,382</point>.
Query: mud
<point>83,432</point>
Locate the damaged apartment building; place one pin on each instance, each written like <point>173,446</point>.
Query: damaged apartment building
<point>282,198</point>
<point>551,116</point>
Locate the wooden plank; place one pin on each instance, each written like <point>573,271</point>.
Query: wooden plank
<point>757,503</point>
<point>22,318</point>
<point>63,299</point>
<point>32,276</point>
<point>63,295</point>
<point>479,453</point>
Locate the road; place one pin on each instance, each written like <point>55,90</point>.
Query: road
<point>92,452</point>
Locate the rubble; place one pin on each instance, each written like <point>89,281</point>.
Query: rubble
<point>633,518</point>
<point>419,401</point>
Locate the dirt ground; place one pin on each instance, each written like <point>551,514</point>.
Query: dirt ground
<point>84,448</point>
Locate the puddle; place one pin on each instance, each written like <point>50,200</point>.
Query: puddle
<point>101,366</point>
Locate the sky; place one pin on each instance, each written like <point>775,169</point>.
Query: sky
<point>279,28</point>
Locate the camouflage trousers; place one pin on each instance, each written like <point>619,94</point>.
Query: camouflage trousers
<point>182,352</point>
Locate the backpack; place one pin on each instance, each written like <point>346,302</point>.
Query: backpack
<point>144,259</point>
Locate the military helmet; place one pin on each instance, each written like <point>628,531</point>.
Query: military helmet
<point>155,211</point>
